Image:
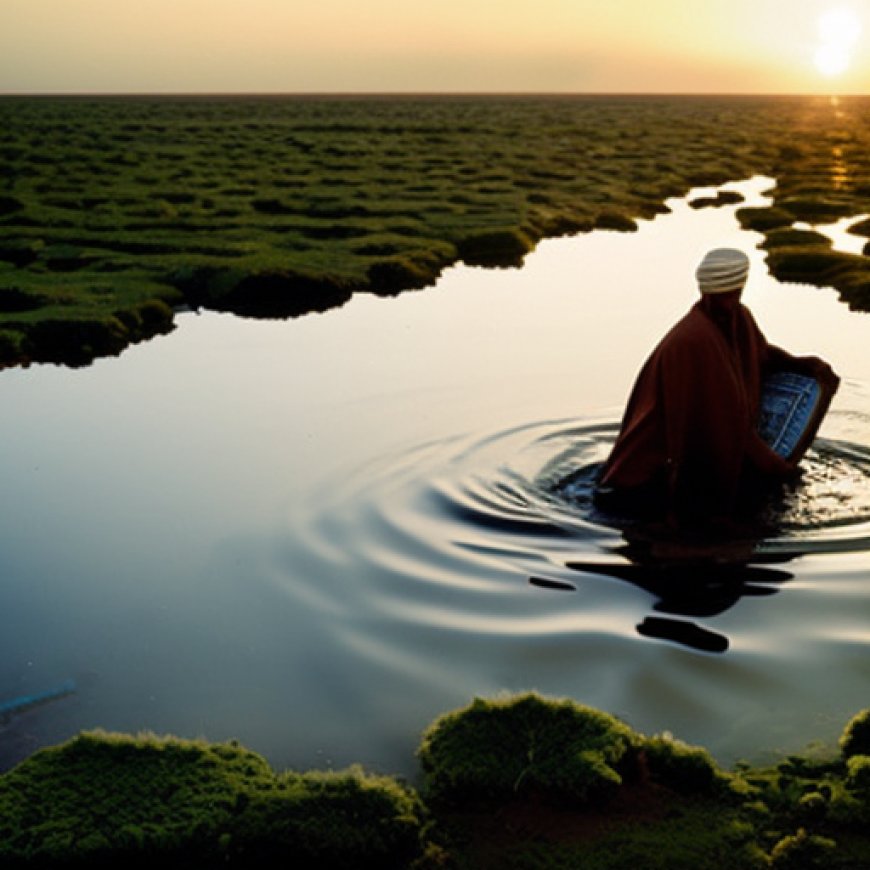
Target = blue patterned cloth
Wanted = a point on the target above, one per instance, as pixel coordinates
(788, 403)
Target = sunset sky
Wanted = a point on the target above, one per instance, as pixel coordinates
(683, 46)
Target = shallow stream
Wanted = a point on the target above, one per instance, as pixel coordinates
(316, 535)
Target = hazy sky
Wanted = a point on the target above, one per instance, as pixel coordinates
(725, 46)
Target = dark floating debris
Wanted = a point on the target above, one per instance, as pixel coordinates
(684, 633)
(544, 583)
(23, 703)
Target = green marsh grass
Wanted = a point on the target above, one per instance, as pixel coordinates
(518, 781)
(278, 206)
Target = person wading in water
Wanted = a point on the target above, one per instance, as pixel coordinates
(688, 449)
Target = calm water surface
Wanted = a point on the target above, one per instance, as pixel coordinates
(317, 535)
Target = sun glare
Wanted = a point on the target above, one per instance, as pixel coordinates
(839, 31)
(839, 27)
(831, 60)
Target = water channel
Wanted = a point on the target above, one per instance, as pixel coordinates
(316, 535)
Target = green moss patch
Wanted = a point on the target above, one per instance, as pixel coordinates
(104, 798)
(815, 209)
(788, 237)
(684, 769)
(723, 197)
(861, 228)
(813, 265)
(614, 220)
(764, 218)
(505, 247)
(673, 807)
(516, 782)
(499, 750)
(306, 200)
(855, 739)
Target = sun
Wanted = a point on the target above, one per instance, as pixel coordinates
(839, 31)
(832, 60)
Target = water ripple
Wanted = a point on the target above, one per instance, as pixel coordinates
(479, 563)
(476, 534)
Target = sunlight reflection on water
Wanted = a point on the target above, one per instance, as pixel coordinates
(317, 535)
(838, 233)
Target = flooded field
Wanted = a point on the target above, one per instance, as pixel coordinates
(316, 535)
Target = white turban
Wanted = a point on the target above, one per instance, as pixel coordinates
(722, 270)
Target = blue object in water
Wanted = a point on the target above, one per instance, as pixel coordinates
(789, 405)
(8, 709)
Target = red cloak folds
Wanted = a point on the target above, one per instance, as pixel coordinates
(689, 427)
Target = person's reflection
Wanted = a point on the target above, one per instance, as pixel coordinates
(688, 578)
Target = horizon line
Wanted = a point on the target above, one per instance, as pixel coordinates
(418, 94)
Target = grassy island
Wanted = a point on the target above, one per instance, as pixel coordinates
(114, 212)
(515, 782)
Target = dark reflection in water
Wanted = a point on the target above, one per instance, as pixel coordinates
(703, 576)
(696, 588)
(415, 571)
(688, 575)
(696, 585)
(524, 497)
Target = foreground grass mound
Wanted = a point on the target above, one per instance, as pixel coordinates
(515, 782)
(527, 781)
(501, 750)
(555, 751)
(106, 799)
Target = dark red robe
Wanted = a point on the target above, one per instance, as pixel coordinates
(689, 427)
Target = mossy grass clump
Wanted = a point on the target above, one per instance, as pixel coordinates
(501, 750)
(685, 769)
(388, 277)
(608, 219)
(279, 293)
(855, 739)
(73, 318)
(76, 341)
(812, 264)
(674, 809)
(764, 218)
(495, 247)
(104, 798)
(858, 776)
(789, 237)
(261, 290)
(723, 197)
(815, 209)
(861, 228)
(527, 781)
(803, 851)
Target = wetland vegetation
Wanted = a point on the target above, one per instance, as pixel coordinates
(114, 211)
(517, 782)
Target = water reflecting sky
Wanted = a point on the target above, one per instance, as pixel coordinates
(263, 530)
